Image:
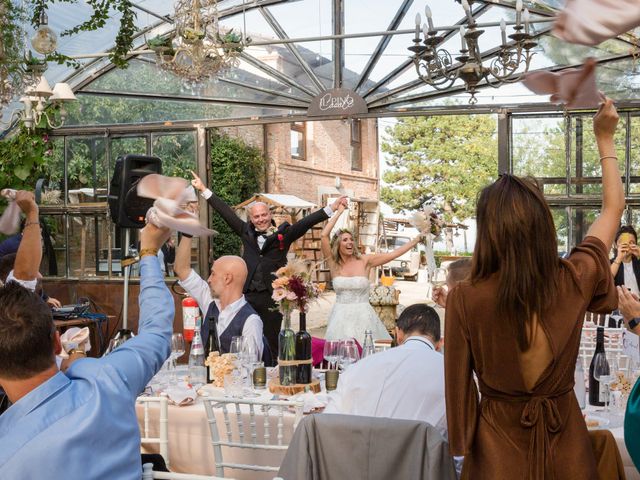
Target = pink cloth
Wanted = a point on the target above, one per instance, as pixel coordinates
(573, 87)
(317, 350)
(589, 22)
(10, 219)
(171, 194)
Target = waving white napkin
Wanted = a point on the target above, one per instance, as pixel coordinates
(573, 87)
(170, 194)
(589, 22)
(10, 219)
(75, 337)
(181, 394)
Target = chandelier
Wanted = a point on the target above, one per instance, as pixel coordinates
(435, 65)
(199, 49)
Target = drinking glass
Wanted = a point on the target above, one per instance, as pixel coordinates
(330, 352)
(439, 277)
(249, 358)
(236, 346)
(349, 355)
(177, 350)
(603, 373)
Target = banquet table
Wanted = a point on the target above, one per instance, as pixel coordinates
(190, 449)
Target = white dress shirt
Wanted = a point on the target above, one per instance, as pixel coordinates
(200, 291)
(405, 382)
(260, 239)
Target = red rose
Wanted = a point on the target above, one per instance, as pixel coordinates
(281, 240)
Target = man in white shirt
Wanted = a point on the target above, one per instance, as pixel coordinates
(405, 382)
(220, 300)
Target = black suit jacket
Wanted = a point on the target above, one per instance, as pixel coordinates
(273, 254)
(619, 278)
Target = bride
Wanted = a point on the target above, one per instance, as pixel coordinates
(352, 314)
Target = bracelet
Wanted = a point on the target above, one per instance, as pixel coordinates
(148, 251)
(77, 351)
(608, 156)
(34, 222)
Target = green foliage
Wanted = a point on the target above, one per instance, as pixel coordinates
(22, 158)
(103, 10)
(12, 17)
(237, 172)
(443, 160)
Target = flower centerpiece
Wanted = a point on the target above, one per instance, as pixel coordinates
(293, 289)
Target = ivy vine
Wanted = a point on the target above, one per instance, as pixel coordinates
(102, 12)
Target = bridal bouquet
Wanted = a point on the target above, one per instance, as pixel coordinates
(293, 287)
(427, 221)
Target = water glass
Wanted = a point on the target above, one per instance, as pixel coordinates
(236, 346)
(233, 384)
(439, 277)
(177, 350)
(330, 352)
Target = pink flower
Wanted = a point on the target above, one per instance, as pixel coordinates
(291, 296)
(279, 294)
(280, 282)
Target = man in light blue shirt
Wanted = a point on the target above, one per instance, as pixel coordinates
(82, 424)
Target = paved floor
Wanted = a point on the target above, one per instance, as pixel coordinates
(410, 293)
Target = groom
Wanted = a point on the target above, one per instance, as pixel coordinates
(265, 251)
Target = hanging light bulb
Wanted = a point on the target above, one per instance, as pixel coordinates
(44, 40)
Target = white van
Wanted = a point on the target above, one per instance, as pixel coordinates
(407, 264)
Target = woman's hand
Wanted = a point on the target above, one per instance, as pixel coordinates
(634, 250)
(606, 120)
(197, 182)
(439, 296)
(623, 251)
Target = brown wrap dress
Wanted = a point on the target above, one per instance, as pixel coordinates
(514, 431)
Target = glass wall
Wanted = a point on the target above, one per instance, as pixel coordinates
(81, 241)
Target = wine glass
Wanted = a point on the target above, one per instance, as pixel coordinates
(330, 353)
(439, 277)
(177, 350)
(603, 373)
(349, 355)
(249, 357)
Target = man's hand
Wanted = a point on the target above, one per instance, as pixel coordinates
(628, 304)
(153, 237)
(27, 203)
(340, 201)
(197, 183)
(439, 296)
(53, 302)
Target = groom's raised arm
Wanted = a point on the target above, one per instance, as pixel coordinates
(219, 205)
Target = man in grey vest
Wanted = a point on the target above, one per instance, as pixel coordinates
(220, 299)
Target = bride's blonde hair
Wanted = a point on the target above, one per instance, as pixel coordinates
(335, 245)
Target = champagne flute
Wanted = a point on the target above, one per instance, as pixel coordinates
(603, 374)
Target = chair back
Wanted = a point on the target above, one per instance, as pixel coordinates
(236, 426)
(162, 438)
(612, 345)
(149, 474)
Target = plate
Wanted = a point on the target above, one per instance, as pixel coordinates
(595, 422)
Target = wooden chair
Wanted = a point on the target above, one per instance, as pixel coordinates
(246, 432)
(163, 431)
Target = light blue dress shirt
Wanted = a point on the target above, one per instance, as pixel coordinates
(82, 424)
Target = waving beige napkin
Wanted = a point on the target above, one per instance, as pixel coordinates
(171, 194)
(75, 337)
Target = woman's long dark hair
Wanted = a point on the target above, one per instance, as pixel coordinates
(517, 240)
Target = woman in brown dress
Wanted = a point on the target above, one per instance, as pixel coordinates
(516, 323)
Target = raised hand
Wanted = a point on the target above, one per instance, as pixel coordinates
(153, 237)
(27, 202)
(197, 183)
(606, 120)
(439, 296)
(343, 200)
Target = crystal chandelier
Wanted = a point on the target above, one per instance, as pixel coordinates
(198, 49)
(435, 65)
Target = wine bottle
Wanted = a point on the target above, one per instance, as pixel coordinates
(303, 351)
(212, 346)
(597, 393)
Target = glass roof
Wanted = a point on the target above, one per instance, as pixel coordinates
(276, 78)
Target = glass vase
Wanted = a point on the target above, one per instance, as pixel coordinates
(287, 351)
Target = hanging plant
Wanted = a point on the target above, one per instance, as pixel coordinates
(103, 10)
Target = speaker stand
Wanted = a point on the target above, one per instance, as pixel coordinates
(125, 296)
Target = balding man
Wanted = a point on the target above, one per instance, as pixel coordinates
(265, 250)
(221, 300)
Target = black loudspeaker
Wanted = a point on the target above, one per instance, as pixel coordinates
(126, 207)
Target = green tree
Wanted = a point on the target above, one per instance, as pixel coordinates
(237, 173)
(443, 160)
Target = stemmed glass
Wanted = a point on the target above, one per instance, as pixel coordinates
(603, 373)
(330, 353)
(177, 350)
(348, 355)
(439, 277)
(249, 357)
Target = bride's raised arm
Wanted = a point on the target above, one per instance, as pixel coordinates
(325, 244)
(377, 259)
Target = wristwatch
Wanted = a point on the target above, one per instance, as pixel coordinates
(633, 323)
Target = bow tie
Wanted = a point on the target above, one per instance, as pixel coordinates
(262, 234)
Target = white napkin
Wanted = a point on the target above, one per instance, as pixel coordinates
(181, 394)
(170, 194)
(312, 401)
(75, 337)
(10, 219)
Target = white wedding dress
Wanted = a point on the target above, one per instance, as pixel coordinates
(352, 314)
